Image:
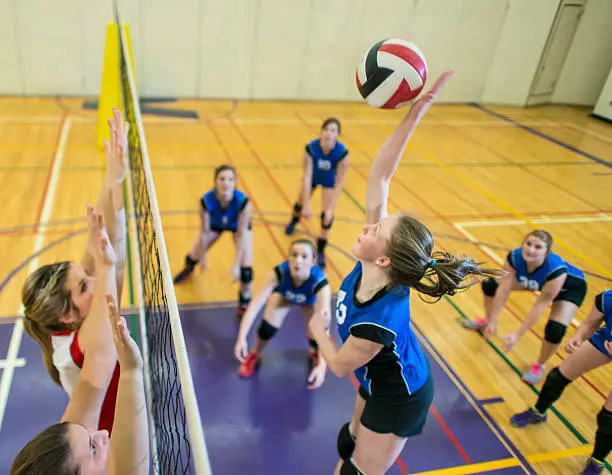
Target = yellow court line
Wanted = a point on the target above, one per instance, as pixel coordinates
(504, 205)
(510, 462)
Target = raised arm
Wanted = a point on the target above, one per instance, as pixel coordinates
(388, 157)
(110, 200)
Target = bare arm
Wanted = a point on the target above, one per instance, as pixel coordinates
(502, 294)
(388, 157)
(543, 301)
(307, 179)
(129, 445)
(322, 306)
(590, 324)
(256, 305)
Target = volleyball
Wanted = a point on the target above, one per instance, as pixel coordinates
(391, 73)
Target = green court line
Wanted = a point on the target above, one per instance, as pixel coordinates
(133, 318)
(562, 418)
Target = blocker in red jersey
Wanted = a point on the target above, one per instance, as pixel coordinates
(391, 73)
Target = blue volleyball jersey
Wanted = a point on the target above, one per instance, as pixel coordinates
(400, 368)
(603, 302)
(324, 166)
(305, 294)
(224, 218)
(553, 267)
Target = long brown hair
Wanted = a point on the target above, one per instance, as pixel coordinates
(45, 299)
(414, 263)
(48, 452)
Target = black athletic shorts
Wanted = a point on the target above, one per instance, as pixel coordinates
(574, 290)
(405, 419)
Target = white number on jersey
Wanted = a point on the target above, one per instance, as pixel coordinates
(530, 284)
(324, 165)
(340, 307)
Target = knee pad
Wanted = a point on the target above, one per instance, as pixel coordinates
(556, 380)
(554, 332)
(266, 331)
(604, 421)
(328, 225)
(246, 275)
(346, 442)
(349, 468)
(489, 286)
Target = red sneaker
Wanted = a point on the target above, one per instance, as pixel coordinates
(250, 365)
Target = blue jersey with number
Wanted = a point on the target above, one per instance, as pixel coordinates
(553, 267)
(324, 166)
(224, 218)
(305, 294)
(603, 303)
(400, 368)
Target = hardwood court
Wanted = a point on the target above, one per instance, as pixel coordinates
(481, 178)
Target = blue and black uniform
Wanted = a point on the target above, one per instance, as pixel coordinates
(305, 294)
(224, 219)
(396, 384)
(574, 289)
(324, 166)
(603, 303)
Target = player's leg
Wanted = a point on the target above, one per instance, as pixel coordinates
(327, 218)
(603, 440)
(346, 435)
(274, 315)
(586, 358)
(246, 272)
(202, 243)
(562, 312)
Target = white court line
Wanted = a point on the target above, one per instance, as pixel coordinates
(544, 220)
(487, 250)
(18, 363)
(17, 336)
(27, 119)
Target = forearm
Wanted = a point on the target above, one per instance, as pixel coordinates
(239, 247)
(534, 314)
(499, 301)
(327, 349)
(306, 187)
(129, 452)
(251, 314)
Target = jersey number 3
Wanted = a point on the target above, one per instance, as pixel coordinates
(340, 307)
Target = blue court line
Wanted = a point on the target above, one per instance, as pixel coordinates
(567, 146)
(459, 382)
(493, 400)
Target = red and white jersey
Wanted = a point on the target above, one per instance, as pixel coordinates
(68, 359)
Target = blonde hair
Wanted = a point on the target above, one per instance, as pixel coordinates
(412, 260)
(45, 299)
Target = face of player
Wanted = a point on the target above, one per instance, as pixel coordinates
(534, 250)
(81, 287)
(89, 450)
(329, 134)
(372, 244)
(225, 184)
(301, 260)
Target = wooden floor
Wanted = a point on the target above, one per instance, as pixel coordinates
(474, 176)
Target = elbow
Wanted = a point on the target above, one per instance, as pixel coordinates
(338, 370)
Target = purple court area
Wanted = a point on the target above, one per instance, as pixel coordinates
(270, 423)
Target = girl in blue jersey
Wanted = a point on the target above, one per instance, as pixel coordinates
(396, 254)
(533, 267)
(224, 208)
(295, 282)
(589, 348)
(326, 161)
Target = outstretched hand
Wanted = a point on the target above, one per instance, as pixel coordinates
(116, 149)
(422, 103)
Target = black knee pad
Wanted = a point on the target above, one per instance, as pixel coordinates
(266, 331)
(556, 380)
(554, 332)
(489, 286)
(348, 468)
(246, 275)
(604, 421)
(328, 225)
(346, 442)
